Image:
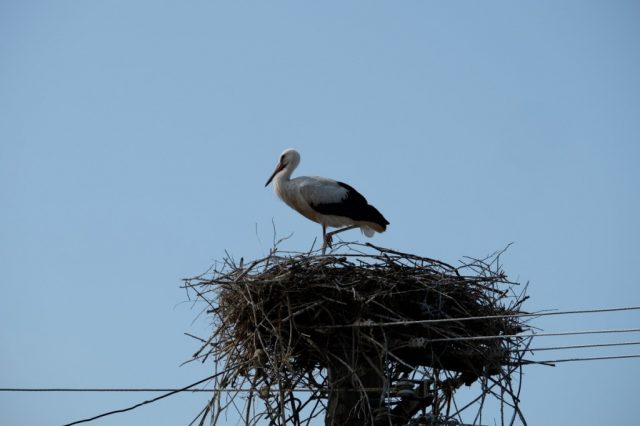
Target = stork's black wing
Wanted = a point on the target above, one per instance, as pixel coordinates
(353, 206)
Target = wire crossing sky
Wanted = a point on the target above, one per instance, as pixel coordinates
(136, 138)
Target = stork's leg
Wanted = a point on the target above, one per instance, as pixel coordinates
(330, 235)
(324, 238)
(327, 237)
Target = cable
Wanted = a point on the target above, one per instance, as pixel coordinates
(170, 390)
(551, 348)
(594, 358)
(106, 390)
(420, 341)
(140, 390)
(595, 345)
(435, 321)
(186, 389)
(133, 407)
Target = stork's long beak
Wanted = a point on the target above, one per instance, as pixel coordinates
(279, 167)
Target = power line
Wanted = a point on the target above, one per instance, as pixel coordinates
(593, 358)
(594, 345)
(108, 390)
(421, 341)
(175, 390)
(170, 391)
(187, 389)
(133, 407)
(521, 315)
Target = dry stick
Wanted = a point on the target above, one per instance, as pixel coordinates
(228, 401)
(281, 402)
(250, 302)
(502, 402)
(295, 411)
(209, 407)
(477, 398)
(515, 398)
(448, 393)
(313, 410)
(303, 310)
(273, 416)
(292, 399)
(455, 405)
(520, 373)
(483, 386)
(412, 256)
(287, 380)
(505, 390)
(396, 358)
(249, 399)
(204, 410)
(516, 395)
(232, 401)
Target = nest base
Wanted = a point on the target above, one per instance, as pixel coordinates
(370, 336)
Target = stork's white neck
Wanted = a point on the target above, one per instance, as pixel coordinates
(282, 183)
(285, 174)
(282, 178)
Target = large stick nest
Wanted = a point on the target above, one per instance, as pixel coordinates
(292, 322)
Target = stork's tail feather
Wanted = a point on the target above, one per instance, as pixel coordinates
(368, 232)
(372, 221)
(371, 214)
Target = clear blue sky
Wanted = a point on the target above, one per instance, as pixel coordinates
(136, 138)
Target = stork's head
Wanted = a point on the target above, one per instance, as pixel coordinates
(289, 160)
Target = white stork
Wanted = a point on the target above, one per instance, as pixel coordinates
(325, 201)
